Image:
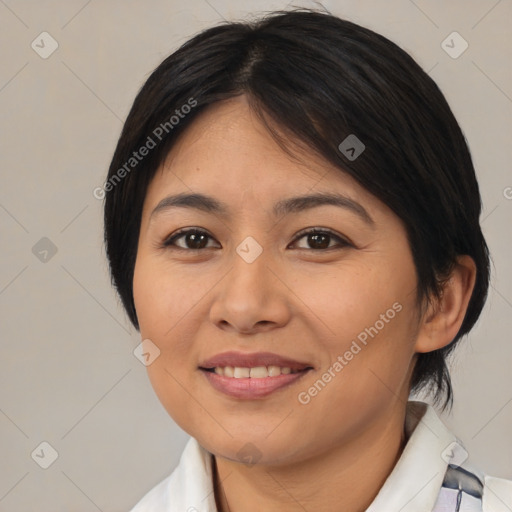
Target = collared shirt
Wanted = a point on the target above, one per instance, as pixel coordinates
(430, 476)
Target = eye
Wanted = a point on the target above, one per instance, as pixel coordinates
(320, 239)
(194, 239)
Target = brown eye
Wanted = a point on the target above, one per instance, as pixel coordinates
(320, 239)
(193, 239)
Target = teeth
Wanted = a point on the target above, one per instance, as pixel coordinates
(240, 373)
(257, 372)
(273, 371)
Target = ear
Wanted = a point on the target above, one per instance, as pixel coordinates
(442, 320)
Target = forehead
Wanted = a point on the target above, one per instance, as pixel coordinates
(227, 152)
(229, 134)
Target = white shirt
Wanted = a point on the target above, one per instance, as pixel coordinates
(432, 455)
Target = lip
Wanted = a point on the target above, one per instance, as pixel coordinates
(251, 360)
(252, 388)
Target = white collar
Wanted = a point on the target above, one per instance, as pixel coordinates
(415, 481)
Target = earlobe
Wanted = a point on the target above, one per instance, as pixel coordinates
(442, 319)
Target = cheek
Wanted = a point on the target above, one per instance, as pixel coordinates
(369, 363)
(160, 298)
(170, 309)
(369, 311)
(352, 298)
(161, 301)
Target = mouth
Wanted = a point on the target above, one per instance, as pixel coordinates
(252, 376)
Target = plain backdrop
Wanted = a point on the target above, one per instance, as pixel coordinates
(69, 377)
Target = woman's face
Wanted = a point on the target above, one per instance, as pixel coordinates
(341, 302)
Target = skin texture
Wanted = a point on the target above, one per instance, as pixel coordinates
(309, 304)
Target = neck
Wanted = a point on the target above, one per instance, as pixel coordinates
(346, 477)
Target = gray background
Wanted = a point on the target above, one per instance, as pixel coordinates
(69, 376)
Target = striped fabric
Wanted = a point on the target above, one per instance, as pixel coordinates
(461, 491)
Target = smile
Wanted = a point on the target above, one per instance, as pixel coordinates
(249, 376)
(251, 383)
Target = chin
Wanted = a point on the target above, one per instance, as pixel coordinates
(251, 450)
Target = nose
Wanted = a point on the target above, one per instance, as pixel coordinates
(251, 298)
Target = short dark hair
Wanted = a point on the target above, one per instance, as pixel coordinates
(320, 79)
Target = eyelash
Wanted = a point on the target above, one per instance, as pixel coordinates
(170, 242)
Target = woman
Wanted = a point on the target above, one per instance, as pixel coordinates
(292, 223)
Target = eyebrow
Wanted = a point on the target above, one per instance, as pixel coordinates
(284, 206)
